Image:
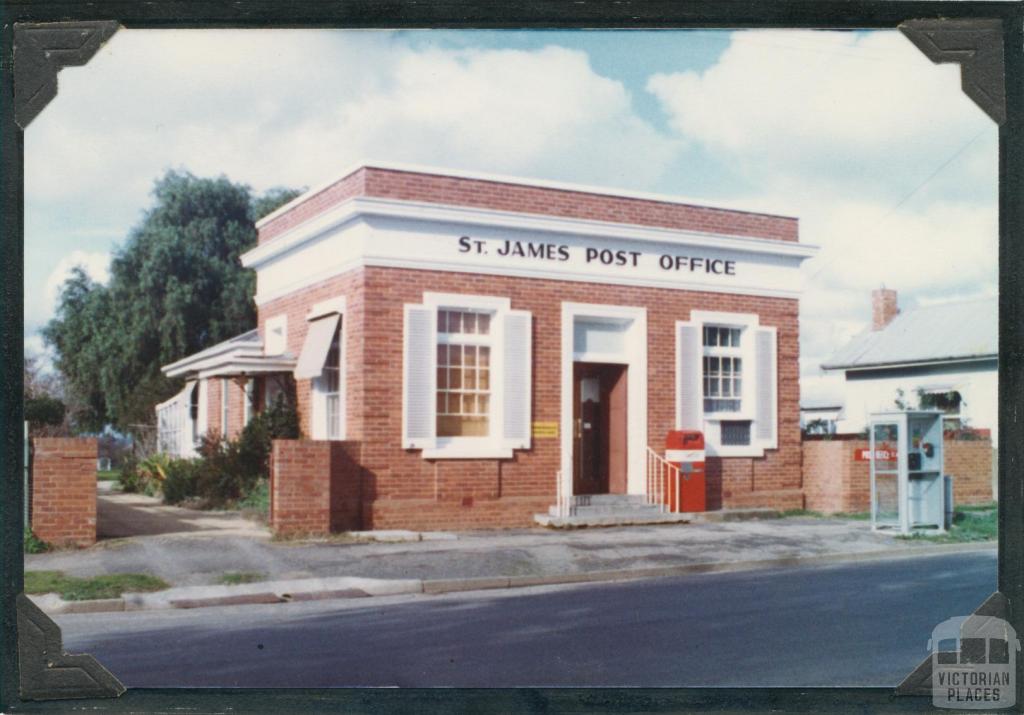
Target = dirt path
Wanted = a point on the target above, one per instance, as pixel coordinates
(120, 515)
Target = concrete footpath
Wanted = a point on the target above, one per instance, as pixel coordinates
(351, 566)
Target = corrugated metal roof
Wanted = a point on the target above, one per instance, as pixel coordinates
(936, 333)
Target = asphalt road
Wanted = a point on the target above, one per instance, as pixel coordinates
(856, 624)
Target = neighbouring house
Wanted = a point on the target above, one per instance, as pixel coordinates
(938, 357)
(819, 416)
(483, 345)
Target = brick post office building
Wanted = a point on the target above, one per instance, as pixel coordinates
(472, 346)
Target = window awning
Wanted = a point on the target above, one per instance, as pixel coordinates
(938, 388)
(316, 347)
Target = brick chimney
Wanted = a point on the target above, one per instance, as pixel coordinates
(884, 307)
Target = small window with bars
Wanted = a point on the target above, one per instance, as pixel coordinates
(463, 373)
(723, 369)
(735, 433)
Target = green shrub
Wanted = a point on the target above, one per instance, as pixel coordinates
(227, 472)
(33, 544)
(258, 499)
(222, 476)
(232, 470)
(279, 421)
(181, 480)
(131, 480)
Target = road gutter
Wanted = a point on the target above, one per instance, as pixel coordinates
(356, 587)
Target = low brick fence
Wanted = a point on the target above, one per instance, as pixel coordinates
(315, 487)
(64, 490)
(835, 482)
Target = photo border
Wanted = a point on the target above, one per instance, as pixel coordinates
(530, 14)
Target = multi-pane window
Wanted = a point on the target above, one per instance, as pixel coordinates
(463, 373)
(332, 387)
(723, 369)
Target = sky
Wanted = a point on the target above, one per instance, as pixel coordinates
(891, 170)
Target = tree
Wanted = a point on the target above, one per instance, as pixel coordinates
(44, 411)
(176, 287)
(46, 408)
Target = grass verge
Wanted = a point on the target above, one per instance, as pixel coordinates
(72, 588)
(786, 513)
(857, 515)
(232, 578)
(969, 524)
(108, 475)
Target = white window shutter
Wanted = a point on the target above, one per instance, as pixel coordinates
(689, 377)
(765, 409)
(419, 378)
(516, 379)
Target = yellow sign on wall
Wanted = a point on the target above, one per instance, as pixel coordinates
(545, 429)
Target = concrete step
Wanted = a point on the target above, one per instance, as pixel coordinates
(609, 499)
(634, 519)
(610, 509)
(601, 508)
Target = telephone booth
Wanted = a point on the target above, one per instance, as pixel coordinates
(907, 490)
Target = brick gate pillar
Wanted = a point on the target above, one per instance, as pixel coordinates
(300, 499)
(64, 490)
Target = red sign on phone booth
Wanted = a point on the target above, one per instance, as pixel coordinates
(883, 453)
(685, 449)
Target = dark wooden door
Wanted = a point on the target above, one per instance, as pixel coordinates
(599, 424)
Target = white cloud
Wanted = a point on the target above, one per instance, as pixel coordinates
(40, 305)
(846, 108)
(287, 109)
(293, 108)
(890, 168)
(848, 131)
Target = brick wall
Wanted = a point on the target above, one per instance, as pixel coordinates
(346, 486)
(835, 482)
(970, 463)
(64, 490)
(400, 488)
(315, 487)
(300, 487)
(504, 196)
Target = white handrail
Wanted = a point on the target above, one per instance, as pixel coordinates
(664, 483)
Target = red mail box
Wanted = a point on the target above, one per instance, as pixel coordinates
(685, 449)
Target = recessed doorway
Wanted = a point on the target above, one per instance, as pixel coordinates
(600, 449)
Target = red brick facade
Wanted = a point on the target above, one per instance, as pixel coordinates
(64, 490)
(835, 482)
(520, 198)
(375, 483)
(402, 489)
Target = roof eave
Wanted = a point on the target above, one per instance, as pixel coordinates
(910, 363)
